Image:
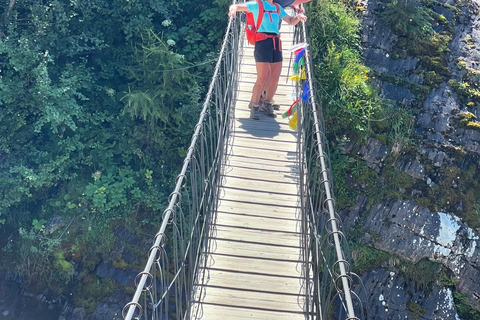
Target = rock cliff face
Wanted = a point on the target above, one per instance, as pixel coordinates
(430, 220)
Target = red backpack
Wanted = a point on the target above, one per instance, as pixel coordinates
(250, 26)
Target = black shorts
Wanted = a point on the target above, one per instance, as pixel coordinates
(266, 52)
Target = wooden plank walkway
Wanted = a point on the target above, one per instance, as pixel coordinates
(255, 262)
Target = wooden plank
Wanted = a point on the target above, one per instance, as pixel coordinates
(261, 186)
(219, 312)
(281, 239)
(266, 164)
(260, 153)
(271, 144)
(271, 268)
(259, 197)
(257, 223)
(281, 135)
(247, 77)
(261, 174)
(255, 209)
(248, 81)
(260, 128)
(254, 282)
(243, 101)
(252, 299)
(259, 251)
(255, 256)
(284, 133)
(286, 97)
(289, 168)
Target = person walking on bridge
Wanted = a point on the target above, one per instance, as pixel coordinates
(272, 87)
(268, 50)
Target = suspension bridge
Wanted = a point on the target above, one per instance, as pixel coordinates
(251, 231)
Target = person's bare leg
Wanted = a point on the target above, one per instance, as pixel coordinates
(263, 76)
(275, 71)
(265, 107)
(263, 72)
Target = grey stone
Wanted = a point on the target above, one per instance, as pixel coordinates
(374, 153)
(406, 229)
(412, 167)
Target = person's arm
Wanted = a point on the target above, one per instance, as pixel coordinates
(236, 7)
(294, 20)
(298, 2)
(296, 5)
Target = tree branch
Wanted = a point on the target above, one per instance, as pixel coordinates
(10, 7)
(5, 17)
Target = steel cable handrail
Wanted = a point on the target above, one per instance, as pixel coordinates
(202, 164)
(319, 206)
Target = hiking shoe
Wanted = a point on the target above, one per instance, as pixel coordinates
(267, 108)
(254, 114)
(275, 106)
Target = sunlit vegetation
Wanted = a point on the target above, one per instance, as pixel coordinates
(98, 100)
(352, 110)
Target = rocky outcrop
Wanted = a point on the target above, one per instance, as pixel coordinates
(17, 303)
(407, 228)
(415, 233)
(392, 297)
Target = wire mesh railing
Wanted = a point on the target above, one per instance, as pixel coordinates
(164, 287)
(330, 289)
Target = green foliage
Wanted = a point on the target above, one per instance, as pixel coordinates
(420, 273)
(163, 94)
(366, 258)
(472, 200)
(163, 81)
(467, 120)
(415, 309)
(402, 122)
(461, 65)
(467, 93)
(192, 30)
(349, 98)
(464, 309)
(39, 262)
(413, 23)
(407, 19)
(344, 196)
(90, 289)
(64, 265)
(39, 225)
(466, 191)
(110, 190)
(64, 66)
(447, 281)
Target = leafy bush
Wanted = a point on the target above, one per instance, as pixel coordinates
(365, 258)
(69, 145)
(347, 89)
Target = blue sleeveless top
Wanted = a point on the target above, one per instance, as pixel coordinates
(268, 25)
